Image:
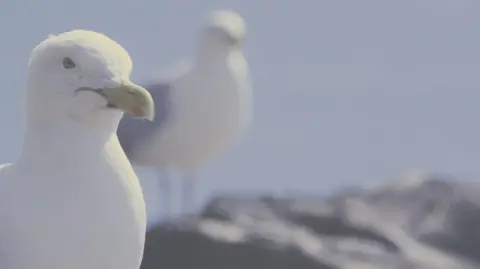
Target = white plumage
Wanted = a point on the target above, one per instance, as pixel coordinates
(72, 199)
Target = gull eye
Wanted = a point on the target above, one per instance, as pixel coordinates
(68, 63)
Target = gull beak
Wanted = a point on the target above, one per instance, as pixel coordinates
(131, 99)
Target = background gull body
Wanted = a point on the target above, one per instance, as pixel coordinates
(200, 111)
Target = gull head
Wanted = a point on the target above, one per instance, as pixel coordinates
(85, 76)
(225, 27)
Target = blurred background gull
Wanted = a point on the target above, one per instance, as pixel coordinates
(200, 112)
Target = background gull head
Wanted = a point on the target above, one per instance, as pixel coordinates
(226, 27)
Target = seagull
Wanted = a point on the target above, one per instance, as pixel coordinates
(200, 111)
(72, 200)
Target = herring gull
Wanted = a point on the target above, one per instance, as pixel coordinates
(72, 199)
(200, 111)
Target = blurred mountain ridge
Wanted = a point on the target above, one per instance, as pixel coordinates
(417, 221)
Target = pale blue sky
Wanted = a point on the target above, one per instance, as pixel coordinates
(346, 92)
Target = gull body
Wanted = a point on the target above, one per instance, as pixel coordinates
(72, 199)
(201, 111)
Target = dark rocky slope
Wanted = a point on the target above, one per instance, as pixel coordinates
(417, 223)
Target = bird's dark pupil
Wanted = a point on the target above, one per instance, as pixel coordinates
(68, 63)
